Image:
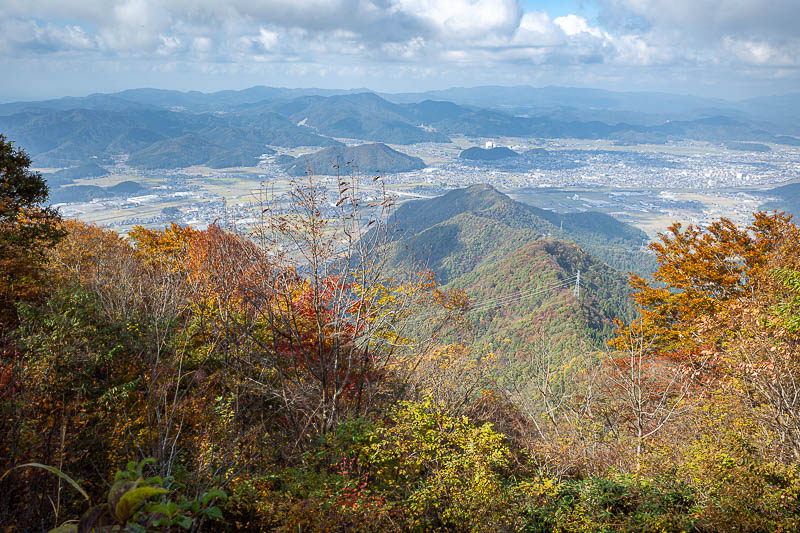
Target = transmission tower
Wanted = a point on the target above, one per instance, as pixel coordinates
(577, 290)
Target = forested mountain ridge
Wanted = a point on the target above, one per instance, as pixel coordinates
(607, 238)
(64, 137)
(499, 250)
(360, 116)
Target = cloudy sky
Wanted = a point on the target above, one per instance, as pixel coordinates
(726, 48)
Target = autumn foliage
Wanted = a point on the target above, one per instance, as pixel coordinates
(288, 374)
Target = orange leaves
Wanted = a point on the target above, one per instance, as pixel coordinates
(702, 273)
(87, 249)
(168, 247)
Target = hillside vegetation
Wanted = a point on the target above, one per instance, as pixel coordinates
(510, 262)
(187, 380)
(608, 239)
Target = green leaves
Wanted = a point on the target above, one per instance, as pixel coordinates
(126, 508)
(131, 500)
(55, 471)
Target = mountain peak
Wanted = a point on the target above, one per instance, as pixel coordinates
(482, 187)
(373, 158)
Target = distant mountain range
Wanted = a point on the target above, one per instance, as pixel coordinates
(357, 116)
(637, 108)
(494, 248)
(362, 159)
(67, 137)
(231, 128)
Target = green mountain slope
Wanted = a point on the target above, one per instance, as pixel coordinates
(528, 291)
(605, 237)
(516, 266)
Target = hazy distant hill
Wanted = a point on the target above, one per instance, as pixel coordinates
(611, 107)
(195, 101)
(191, 150)
(479, 240)
(67, 175)
(782, 110)
(525, 95)
(492, 154)
(783, 198)
(60, 138)
(94, 102)
(747, 147)
(431, 111)
(359, 116)
(87, 193)
(366, 159)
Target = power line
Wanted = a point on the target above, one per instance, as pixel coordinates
(505, 300)
(502, 301)
(544, 288)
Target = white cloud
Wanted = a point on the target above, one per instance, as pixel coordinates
(536, 29)
(267, 39)
(432, 36)
(704, 20)
(574, 25)
(28, 36)
(170, 44)
(763, 53)
(464, 19)
(202, 45)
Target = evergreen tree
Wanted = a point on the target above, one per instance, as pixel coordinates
(27, 230)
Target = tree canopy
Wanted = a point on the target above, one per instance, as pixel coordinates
(27, 228)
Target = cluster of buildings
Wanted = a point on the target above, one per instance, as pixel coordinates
(199, 200)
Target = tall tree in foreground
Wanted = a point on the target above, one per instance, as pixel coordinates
(331, 321)
(703, 273)
(723, 309)
(27, 230)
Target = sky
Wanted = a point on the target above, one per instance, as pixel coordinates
(723, 48)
